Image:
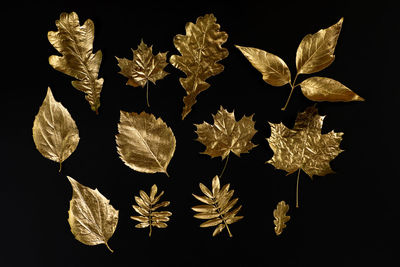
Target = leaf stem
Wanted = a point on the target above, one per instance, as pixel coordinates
(292, 85)
(227, 228)
(147, 93)
(226, 163)
(109, 247)
(297, 188)
(59, 170)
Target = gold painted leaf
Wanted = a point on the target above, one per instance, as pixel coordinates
(273, 69)
(304, 147)
(144, 66)
(75, 43)
(218, 209)
(326, 89)
(226, 135)
(91, 217)
(316, 51)
(200, 51)
(54, 131)
(280, 217)
(149, 217)
(144, 143)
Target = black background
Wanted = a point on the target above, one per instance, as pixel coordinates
(346, 218)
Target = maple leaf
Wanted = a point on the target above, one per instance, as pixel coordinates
(144, 67)
(200, 51)
(304, 147)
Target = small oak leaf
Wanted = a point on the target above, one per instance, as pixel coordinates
(226, 134)
(280, 217)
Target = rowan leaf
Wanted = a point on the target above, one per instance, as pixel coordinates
(144, 143)
(200, 51)
(54, 131)
(149, 216)
(273, 69)
(316, 51)
(75, 43)
(92, 219)
(326, 89)
(280, 217)
(214, 210)
(226, 134)
(304, 147)
(144, 67)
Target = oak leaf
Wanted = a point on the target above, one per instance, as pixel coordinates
(280, 217)
(200, 51)
(54, 131)
(217, 207)
(75, 43)
(304, 147)
(144, 67)
(226, 134)
(92, 219)
(147, 206)
(144, 143)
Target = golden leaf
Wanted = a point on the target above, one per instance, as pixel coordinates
(200, 51)
(274, 70)
(144, 67)
(54, 131)
(326, 89)
(147, 206)
(304, 147)
(315, 51)
(144, 143)
(280, 217)
(75, 43)
(92, 219)
(218, 207)
(226, 135)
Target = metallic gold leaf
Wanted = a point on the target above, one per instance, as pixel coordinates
(217, 210)
(304, 147)
(144, 66)
(75, 43)
(274, 70)
(92, 219)
(280, 217)
(149, 217)
(54, 131)
(226, 135)
(200, 51)
(144, 143)
(326, 89)
(315, 51)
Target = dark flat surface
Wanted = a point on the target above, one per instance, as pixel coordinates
(347, 218)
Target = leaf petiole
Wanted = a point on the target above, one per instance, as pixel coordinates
(109, 247)
(292, 85)
(226, 163)
(297, 188)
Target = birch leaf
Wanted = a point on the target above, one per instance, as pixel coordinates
(149, 217)
(144, 66)
(273, 69)
(144, 143)
(316, 51)
(92, 219)
(216, 211)
(326, 89)
(75, 43)
(54, 131)
(200, 51)
(226, 134)
(280, 217)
